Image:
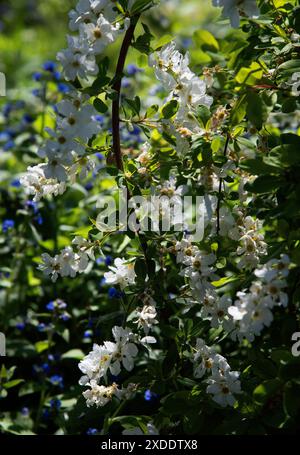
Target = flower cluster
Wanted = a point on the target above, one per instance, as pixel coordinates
(223, 383)
(172, 70)
(64, 151)
(97, 23)
(66, 263)
(252, 311)
(108, 357)
(197, 268)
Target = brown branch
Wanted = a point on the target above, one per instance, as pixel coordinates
(220, 186)
(117, 88)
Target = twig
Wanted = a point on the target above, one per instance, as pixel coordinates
(117, 88)
(220, 186)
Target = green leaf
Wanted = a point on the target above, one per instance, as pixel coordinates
(206, 39)
(157, 44)
(140, 269)
(170, 109)
(140, 5)
(264, 184)
(73, 354)
(41, 346)
(203, 114)
(100, 106)
(151, 111)
(134, 105)
(13, 383)
(265, 390)
(238, 111)
(250, 74)
(257, 111)
(291, 399)
(288, 68)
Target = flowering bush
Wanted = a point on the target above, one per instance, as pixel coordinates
(151, 249)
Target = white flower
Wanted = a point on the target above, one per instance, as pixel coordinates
(100, 34)
(77, 61)
(76, 122)
(145, 157)
(95, 364)
(99, 395)
(121, 351)
(35, 182)
(216, 309)
(234, 8)
(203, 359)
(55, 168)
(121, 273)
(185, 250)
(199, 266)
(83, 13)
(50, 266)
(223, 386)
(169, 63)
(146, 316)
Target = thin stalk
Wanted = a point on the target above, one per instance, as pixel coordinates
(220, 186)
(117, 88)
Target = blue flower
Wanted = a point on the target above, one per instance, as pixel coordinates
(149, 396)
(135, 131)
(5, 136)
(46, 367)
(28, 118)
(49, 66)
(20, 325)
(88, 334)
(102, 282)
(56, 75)
(100, 156)
(9, 145)
(7, 108)
(64, 317)
(63, 88)
(55, 404)
(15, 183)
(51, 306)
(125, 82)
(92, 431)
(113, 293)
(25, 411)
(39, 219)
(37, 76)
(7, 224)
(132, 69)
(108, 260)
(89, 186)
(36, 92)
(56, 379)
(186, 42)
(41, 327)
(99, 118)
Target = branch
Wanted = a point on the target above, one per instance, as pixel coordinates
(117, 88)
(220, 186)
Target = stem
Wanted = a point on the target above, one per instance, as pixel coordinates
(117, 88)
(220, 186)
